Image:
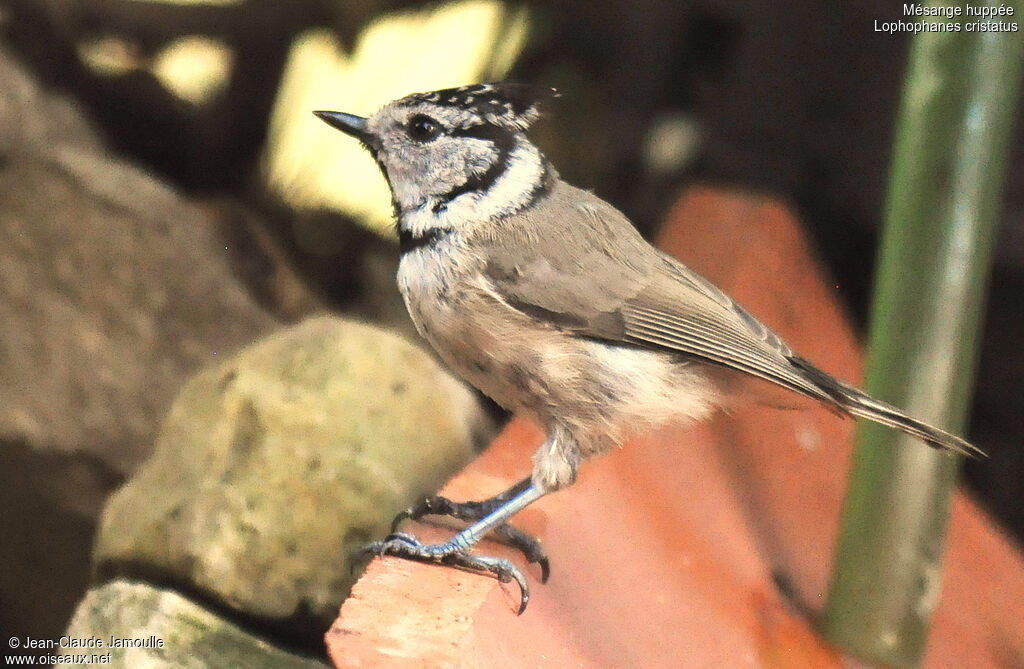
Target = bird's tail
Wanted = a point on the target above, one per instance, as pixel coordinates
(858, 403)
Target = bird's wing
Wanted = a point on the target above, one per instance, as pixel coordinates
(585, 269)
(681, 311)
(579, 265)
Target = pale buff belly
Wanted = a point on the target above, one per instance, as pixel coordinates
(600, 393)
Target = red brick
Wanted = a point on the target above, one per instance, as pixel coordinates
(663, 553)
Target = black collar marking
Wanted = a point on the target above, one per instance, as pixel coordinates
(544, 186)
(409, 242)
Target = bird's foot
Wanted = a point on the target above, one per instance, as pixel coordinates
(399, 544)
(489, 516)
(435, 505)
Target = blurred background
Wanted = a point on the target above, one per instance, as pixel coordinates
(194, 117)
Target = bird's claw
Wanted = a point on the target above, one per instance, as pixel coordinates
(436, 505)
(408, 547)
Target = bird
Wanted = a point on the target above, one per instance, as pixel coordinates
(547, 299)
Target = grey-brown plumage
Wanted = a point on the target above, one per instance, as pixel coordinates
(547, 299)
(600, 280)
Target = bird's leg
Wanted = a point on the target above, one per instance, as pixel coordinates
(491, 516)
(435, 505)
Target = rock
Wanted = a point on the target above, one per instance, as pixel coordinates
(116, 287)
(275, 465)
(171, 630)
(34, 121)
(113, 290)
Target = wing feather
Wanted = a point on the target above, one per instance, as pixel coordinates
(600, 279)
(577, 264)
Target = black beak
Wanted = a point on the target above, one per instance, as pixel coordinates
(350, 124)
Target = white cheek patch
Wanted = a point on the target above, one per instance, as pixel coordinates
(510, 193)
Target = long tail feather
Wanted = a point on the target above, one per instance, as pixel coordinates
(860, 404)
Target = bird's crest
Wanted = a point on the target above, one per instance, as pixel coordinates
(510, 105)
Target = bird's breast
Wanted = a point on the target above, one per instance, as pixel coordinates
(478, 336)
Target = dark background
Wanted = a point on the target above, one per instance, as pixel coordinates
(796, 99)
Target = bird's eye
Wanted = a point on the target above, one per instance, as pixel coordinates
(422, 128)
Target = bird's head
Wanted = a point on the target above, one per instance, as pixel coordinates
(454, 148)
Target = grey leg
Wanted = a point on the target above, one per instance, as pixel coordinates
(456, 551)
(435, 505)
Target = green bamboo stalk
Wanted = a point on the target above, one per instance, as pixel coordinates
(948, 169)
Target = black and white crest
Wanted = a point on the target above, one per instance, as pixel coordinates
(509, 105)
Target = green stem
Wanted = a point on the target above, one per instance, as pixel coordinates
(944, 193)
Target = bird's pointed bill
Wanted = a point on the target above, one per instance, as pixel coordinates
(349, 124)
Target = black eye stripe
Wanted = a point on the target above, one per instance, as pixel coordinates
(503, 138)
